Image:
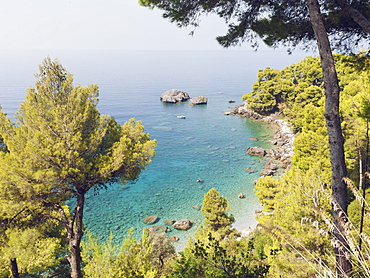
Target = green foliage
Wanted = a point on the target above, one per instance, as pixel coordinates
(284, 22)
(31, 235)
(297, 224)
(216, 252)
(214, 209)
(35, 251)
(144, 258)
(211, 257)
(59, 147)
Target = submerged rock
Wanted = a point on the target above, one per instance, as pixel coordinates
(158, 229)
(196, 207)
(169, 222)
(150, 219)
(250, 170)
(174, 96)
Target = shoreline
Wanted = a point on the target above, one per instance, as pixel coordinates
(283, 136)
(281, 154)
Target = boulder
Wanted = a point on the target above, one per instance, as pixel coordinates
(173, 238)
(150, 219)
(271, 165)
(266, 172)
(183, 224)
(158, 229)
(174, 96)
(272, 142)
(256, 151)
(199, 100)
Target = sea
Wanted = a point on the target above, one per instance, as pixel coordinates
(206, 145)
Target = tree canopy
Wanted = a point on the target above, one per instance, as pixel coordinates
(276, 22)
(60, 146)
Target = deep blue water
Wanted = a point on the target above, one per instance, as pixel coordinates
(207, 145)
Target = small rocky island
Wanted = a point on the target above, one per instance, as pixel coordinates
(174, 96)
(199, 100)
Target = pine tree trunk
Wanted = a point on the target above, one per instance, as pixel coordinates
(336, 140)
(75, 236)
(14, 267)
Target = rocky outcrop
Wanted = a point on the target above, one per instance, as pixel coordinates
(174, 96)
(283, 140)
(183, 224)
(199, 100)
(150, 219)
(267, 172)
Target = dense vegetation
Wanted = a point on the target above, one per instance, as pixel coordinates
(294, 236)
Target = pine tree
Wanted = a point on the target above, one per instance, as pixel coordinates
(60, 147)
(214, 209)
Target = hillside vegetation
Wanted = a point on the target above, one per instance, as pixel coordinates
(294, 235)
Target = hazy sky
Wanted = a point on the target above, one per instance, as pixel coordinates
(97, 24)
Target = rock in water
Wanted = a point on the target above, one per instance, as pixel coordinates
(196, 207)
(150, 219)
(183, 224)
(169, 222)
(257, 151)
(158, 229)
(267, 172)
(174, 96)
(173, 238)
(199, 100)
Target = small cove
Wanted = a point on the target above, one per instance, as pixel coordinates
(207, 145)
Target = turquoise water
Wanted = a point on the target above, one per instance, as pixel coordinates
(207, 145)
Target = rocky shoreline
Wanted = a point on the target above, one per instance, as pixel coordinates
(283, 140)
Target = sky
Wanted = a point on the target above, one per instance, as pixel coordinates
(98, 24)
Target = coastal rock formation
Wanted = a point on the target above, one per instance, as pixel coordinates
(271, 165)
(150, 219)
(256, 151)
(283, 138)
(183, 224)
(158, 229)
(267, 172)
(199, 100)
(174, 96)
